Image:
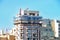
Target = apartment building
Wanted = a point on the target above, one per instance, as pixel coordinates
(27, 25)
(7, 37)
(56, 28)
(46, 30)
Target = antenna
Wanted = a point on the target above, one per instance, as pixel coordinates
(20, 11)
(2, 31)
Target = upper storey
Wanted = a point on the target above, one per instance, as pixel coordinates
(31, 13)
(28, 13)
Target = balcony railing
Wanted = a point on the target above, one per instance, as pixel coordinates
(28, 18)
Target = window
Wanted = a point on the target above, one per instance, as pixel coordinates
(32, 14)
(37, 14)
(40, 24)
(59, 24)
(29, 39)
(35, 30)
(24, 18)
(59, 31)
(29, 18)
(59, 28)
(29, 27)
(21, 35)
(29, 35)
(46, 29)
(29, 31)
(50, 29)
(14, 30)
(29, 22)
(33, 38)
(34, 35)
(21, 30)
(25, 13)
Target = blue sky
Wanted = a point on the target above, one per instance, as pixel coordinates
(9, 8)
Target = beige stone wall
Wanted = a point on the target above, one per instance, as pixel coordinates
(11, 37)
(7, 37)
(53, 25)
(3, 38)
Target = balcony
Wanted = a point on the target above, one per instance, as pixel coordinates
(27, 18)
